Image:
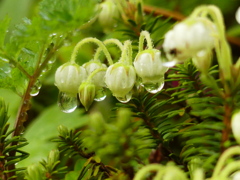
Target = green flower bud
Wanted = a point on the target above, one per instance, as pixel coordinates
(34, 172)
(63, 131)
(149, 66)
(120, 79)
(235, 124)
(87, 94)
(53, 157)
(69, 76)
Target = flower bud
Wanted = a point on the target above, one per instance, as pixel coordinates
(235, 124)
(35, 171)
(87, 94)
(108, 14)
(53, 157)
(68, 77)
(120, 79)
(149, 66)
(63, 131)
(98, 78)
(189, 37)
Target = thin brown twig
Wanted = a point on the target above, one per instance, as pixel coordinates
(25, 104)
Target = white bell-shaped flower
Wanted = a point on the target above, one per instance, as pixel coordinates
(120, 79)
(187, 38)
(108, 14)
(238, 15)
(98, 78)
(68, 77)
(235, 124)
(149, 66)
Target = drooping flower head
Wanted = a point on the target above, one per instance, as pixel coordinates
(238, 15)
(69, 76)
(188, 38)
(120, 79)
(149, 66)
(235, 124)
(108, 14)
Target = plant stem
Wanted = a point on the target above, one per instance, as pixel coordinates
(227, 122)
(88, 40)
(126, 56)
(106, 42)
(25, 103)
(145, 35)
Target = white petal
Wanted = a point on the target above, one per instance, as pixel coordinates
(238, 15)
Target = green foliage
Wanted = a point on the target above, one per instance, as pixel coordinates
(118, 142)
(187, 122)
(70, 145)
(9, 146)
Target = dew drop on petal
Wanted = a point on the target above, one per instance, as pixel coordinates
(100, 95)
(125, 98)
(154, 87)
(67, 102)
(36, 88)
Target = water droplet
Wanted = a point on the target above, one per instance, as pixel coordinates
(100, 95)
(51, 61)
(67, 102)
(125, 98)
(154, 87)
(36, 88)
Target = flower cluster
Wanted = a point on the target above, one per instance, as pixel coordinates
(91, 79)
(192, 38)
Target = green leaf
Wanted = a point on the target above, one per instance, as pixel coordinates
(44, 128)
(72, 175)
(3, 30)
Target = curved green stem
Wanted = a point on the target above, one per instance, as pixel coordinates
(108, 41)
(151, 167)
(126, 56)
(222, 48)
(87, 40)
(222, 160)
(145, 35)
(229, 169)
(95, 72)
